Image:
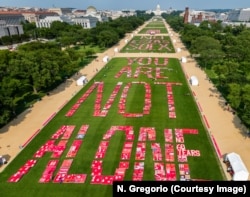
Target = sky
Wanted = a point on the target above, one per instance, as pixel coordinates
(130, 4)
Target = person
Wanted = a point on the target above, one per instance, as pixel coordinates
(60, 180)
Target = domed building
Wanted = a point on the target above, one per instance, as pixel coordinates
(91, 10)
(157, 11)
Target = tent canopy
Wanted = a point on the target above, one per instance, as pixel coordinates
(81, 81)
(2, 160)
(184, 60)
(105, 59)
(194, 81)
(240, 171)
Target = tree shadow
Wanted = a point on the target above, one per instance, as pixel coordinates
(62, 87)
(21, 117)
(243, 130)
(15, 121)
(7, 157)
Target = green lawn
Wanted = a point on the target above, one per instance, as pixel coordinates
(162, 30)
(83, 49)
(155, 25)
(148, 44)
(206, 166)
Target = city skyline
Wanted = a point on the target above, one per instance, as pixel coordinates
(129, 4)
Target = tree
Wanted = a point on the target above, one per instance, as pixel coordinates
(222, 72)
(6, 40)
(242, 46)
(209, 50)
(66, 41)
(57, 27)
(246, 96)
(28, 27)
(89, 52)
(234, 97)
(190, 32)
(16, 39)
(107, 38)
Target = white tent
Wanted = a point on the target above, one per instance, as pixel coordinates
(126, 40)
(116, 50)
(81, 81)
(240, 171)
(178, 49)
(194, 81)
(2, 160)
(184, 60)
(105, 59)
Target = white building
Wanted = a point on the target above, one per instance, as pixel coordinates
(10, 30)
(221, 16)
(239, 15)
(61, 11)
(86, 22)
(157, 11)
(244, 15)
(47, 21)
(87, 19)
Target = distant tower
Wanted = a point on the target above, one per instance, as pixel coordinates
(186, 15)
(200, 17)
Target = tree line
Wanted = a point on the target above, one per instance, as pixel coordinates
(35, 68)
(224, 53)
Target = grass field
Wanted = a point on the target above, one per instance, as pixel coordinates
(155, 44)
(132, 93)
(161, 30)
(156, 25)
(133, 74)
